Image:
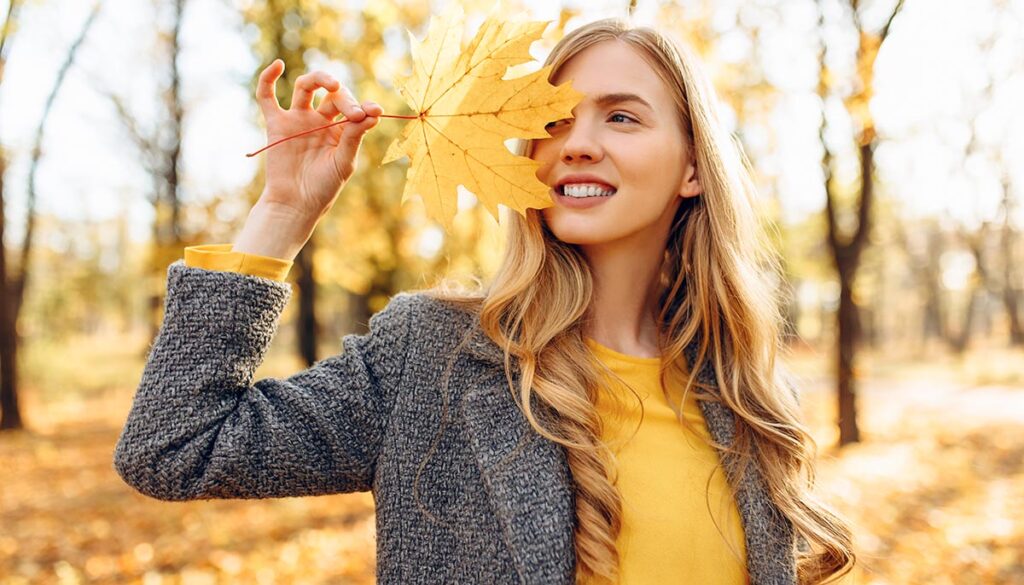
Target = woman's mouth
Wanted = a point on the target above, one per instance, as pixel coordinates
(582, 195)
(584, 190)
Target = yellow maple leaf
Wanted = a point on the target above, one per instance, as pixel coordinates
(466, 112)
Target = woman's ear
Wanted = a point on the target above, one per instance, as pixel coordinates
(691, 183)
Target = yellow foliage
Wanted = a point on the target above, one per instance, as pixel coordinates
(466, 111)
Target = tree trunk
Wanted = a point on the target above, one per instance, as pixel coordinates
(932, 325)
(10, 412)
(1007, 241)
(307, 329)
(933, 284)
(979, 283)
(959, 342)
(1011, 302)
(846, 256)
(167, 229)
(12, 285)
(847, 248)
(848, 336)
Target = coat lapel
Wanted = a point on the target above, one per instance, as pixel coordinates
(531, 486)
(528, 480)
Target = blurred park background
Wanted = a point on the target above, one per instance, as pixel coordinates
(887, 137)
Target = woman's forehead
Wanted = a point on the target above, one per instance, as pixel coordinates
(612, 72)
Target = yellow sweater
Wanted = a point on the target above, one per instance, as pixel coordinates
(671, 531)
(679, 521)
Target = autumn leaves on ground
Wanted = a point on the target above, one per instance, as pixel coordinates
(932, 490)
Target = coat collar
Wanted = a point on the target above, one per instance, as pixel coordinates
(531, 486)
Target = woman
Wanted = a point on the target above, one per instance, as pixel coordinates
(606, 409)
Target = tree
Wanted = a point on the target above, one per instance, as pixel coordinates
(848, 229)
(10, 413)
(160, 150)
(12, 285)
(998, 283)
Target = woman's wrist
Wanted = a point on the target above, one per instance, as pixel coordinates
(274, 230)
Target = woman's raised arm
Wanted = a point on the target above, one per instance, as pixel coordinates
(198, 427)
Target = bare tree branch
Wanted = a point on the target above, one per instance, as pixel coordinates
(12, 13)
(30, 221)
(888, 23)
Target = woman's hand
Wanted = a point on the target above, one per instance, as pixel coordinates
(305, 174)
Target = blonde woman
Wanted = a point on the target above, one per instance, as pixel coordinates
(607, 409)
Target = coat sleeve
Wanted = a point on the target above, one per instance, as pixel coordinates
(199, 428)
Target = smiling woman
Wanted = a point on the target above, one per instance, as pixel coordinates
(606, 409)
(653, 250)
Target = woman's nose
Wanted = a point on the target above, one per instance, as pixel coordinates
(580, 144)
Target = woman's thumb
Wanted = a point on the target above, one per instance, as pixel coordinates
(352, 132)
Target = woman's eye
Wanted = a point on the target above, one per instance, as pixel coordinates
(624, 116)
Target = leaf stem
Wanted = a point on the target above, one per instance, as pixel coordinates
(310, 131)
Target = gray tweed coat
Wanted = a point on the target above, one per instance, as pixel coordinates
(482, 510)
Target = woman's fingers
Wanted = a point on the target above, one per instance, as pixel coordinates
(266, 95)
(346, 153)
(339, 98)
(352, 134)
(307, 84)
(341, 102)
(372, 109)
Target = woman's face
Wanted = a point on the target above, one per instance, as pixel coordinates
(625, 137)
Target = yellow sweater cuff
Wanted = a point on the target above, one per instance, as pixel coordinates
(222, 257)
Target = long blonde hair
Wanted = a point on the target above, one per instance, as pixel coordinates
(716, 293)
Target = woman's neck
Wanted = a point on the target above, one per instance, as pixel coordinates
(621, 315)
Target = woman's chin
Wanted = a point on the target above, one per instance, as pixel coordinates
(579, 236)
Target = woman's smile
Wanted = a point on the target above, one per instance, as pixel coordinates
(579, 201)
(582, 191)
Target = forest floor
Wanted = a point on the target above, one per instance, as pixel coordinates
(935, 490)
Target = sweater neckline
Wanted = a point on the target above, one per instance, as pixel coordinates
(608, 352)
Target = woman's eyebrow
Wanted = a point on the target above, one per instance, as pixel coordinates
(608, 99)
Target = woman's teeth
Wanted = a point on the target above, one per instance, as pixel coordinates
(585, 190)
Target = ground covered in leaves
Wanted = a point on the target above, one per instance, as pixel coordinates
(935, 492)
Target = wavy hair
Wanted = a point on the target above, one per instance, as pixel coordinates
(716, 286)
